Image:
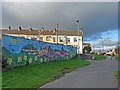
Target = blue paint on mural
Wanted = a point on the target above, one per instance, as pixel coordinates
(20, 43)
(21, 51)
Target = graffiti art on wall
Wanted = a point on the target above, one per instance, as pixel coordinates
(18, 51)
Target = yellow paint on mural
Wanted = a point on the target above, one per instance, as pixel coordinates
(9, 61)
(71, 56)
(19, 59)
(41, 60)
(36, 58)
(25, 57)
(45, 59)
(30, 60)
(13, 41)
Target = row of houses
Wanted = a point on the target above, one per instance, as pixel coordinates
(65, 37)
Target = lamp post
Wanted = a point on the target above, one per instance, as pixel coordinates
(78, 39)
(103, 44)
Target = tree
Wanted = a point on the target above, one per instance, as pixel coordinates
(87, 48)
(117, 50)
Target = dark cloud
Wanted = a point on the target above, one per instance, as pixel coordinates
(95, 17)
(106, 43)
(0, 15)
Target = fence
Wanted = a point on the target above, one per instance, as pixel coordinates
(17, 51)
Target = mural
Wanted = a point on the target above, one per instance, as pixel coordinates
(18, 51)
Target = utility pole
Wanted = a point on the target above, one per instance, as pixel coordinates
(102, 39)
(93, 48)
(57, 32)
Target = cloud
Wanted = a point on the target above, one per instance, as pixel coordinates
(94, 17)
(105, 48)
(97, 19)
(61, 0)
(106, 43)
(0, 15)
(108, 36)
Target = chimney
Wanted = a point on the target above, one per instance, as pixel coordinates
(42, 28)
(56, 26)
(9, 28)
(54, 30)
(30, 29)
(50, 30)
(19, 28)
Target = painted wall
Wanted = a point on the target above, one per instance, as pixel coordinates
(18, 51)
(51, 40)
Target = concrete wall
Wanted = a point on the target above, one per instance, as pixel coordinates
(18, 51)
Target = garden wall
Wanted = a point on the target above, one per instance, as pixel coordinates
(18, 51)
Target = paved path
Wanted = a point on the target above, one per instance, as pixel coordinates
(100, 74)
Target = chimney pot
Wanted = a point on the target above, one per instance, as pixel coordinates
(30, 29)
(19, 28)
(9, 28)
(42, 28)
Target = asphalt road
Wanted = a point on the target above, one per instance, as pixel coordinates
(100, 74)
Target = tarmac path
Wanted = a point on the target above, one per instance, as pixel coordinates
(100, 74)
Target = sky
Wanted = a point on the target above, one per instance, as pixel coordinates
(99, 20)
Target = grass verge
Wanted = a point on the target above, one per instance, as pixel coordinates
(117, 57)
(34, 76)
(118, 78)
(97, 57)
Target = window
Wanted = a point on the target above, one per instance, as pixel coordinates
(68, 39)
(47, 38)
(54, 39)
(60, 39)
(41, 38)
(75, 39)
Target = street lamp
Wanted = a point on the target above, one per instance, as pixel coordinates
(78, 39)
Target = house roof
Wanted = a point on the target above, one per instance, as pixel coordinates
(69, 32)
(26, 32)
(42, 32)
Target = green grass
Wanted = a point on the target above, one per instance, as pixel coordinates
(118, 78)
(0, 80)
(117, 57)
(34, 76)
(97, 57)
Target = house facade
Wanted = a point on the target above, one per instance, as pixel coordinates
(65, 37)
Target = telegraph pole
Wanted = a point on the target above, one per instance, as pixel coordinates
(57, 32)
